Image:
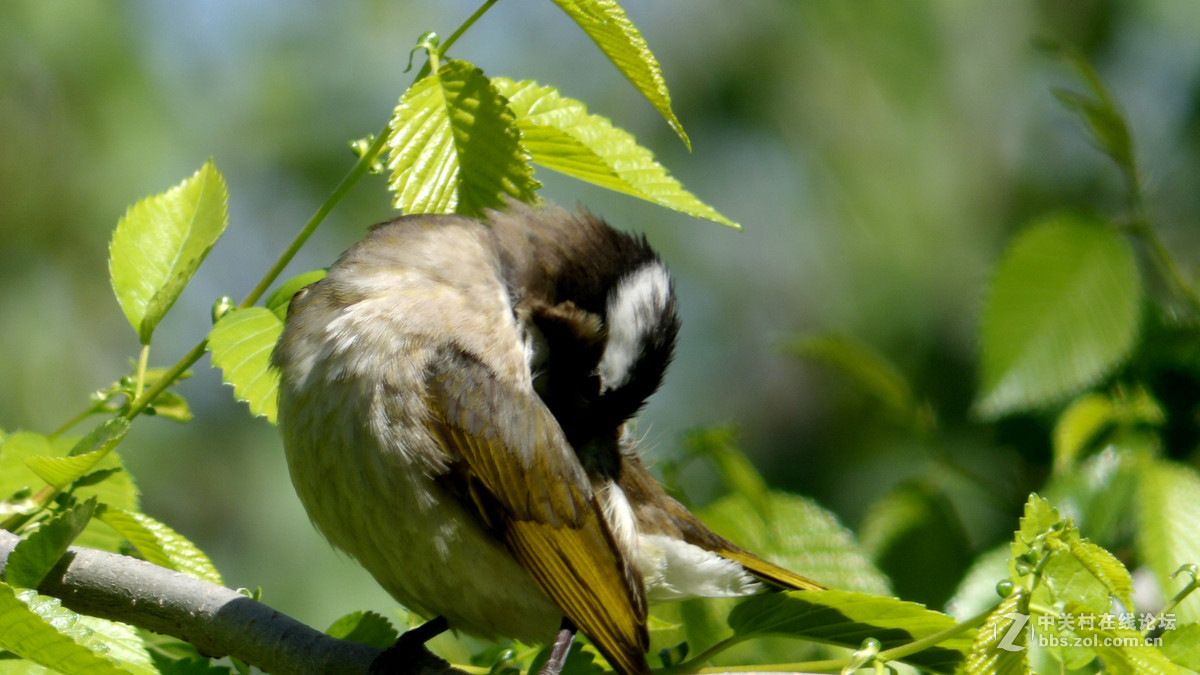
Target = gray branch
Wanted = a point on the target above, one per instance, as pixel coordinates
(216, 620)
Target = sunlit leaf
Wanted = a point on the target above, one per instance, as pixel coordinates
(454, 146)
(1062, 312)
(1122, 650)
(160, 242)
(606, 23)
(845, 618)
(365, 627)
(560, 134)
(241, 345)
(1000, 644)
(160, 544)
(39, 550)
(116, 489)
(38, 628)
(1182, 645)
(84, 456)
(798, 535)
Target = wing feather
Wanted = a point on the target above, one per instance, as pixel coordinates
(527, 484)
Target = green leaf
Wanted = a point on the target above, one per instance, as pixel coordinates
(1182, 645)
(1078, 426)
(39, 629)
(241, 345)
(1062, 312)
(1168, 527)
(454, 146)
(160, 243)
(994, 651)
(799, 535)
(845, 618)
(560, 135)
(367, 628)
(281, 297)
(84, 456)
(606, 23)
(1087, 419)
(38, 551)
(1039, 517)
(871, 373)
(1122, 650)
(117, 488)
(160, 544)
(1104, 568)
(172, 406)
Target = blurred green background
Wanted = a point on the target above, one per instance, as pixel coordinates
(879, 155)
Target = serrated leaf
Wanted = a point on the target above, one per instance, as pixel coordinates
(1000, 643)
(281, 297)
(161, 241)
(1104, 568)
(125, 644)
(454, 146)
(560, 134)
(1168, 527)
(873, 374)
(1062, 312)
(799, 535)
(117, 489)
(846, 618)
(241, 345)
(84, 455)
(160, 544)
(368, 628)
(1122, 650)
(38, 628)
(1039, 517)
(39, 550)
(606, 23)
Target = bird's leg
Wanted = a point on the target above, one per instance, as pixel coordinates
(408, 654)
(559, 648)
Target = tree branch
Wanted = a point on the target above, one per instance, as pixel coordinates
(216, 620)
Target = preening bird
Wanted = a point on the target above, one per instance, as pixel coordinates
(453, 402)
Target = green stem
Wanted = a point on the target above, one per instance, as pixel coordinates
(142, 402)
(140, 383)
(92, 410)
(465, 25)
(360, 169)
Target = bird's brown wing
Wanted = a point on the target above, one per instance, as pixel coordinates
(528, 486)
(657, 512)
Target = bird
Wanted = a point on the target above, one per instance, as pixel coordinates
(454, 403)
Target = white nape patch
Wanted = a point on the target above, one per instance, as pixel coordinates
(676, 570)
(621, 521)
(634, 310)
